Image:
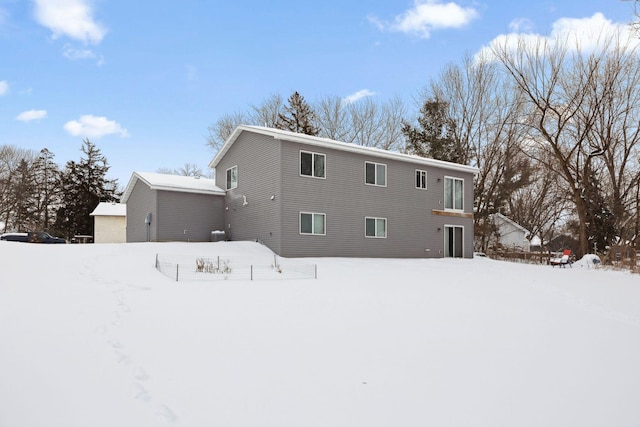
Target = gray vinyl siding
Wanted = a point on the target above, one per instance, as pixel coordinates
(142, 201)
(189, 217)
(270, 167)
(345, 199)
(258, 161)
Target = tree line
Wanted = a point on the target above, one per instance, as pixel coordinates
(37, 195)
(553, 127)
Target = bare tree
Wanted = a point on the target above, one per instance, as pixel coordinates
(263, 114)
(12, 160)
(377, 125)
(562, 87)
(485, 112)
(541, 207)
(266, 113)
(332, 118)
(617, 130)
(188, 169)
(222, 129)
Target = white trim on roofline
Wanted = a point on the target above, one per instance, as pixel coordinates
(165, 182)
(336, 145)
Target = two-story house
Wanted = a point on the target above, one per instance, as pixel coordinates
(308, 196)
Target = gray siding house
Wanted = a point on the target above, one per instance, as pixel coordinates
(308, 196)
(164, 207)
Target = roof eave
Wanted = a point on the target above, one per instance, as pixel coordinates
(337, 145)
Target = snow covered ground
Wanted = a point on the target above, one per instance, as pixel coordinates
(93, 335)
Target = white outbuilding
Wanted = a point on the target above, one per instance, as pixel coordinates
(110, 223)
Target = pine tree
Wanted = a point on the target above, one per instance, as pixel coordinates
(47, 187)
(84, 185)
(22, 197)
(600, 224)
(298, 116)
(434, 136)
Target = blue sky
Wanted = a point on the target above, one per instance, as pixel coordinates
(143, 79)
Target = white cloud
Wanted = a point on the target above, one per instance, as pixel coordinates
(357, 96)
(521, 25)
(75, 54)
(427, 16)
(71, 18)
(90, 126)
(27, 116)
(585, 34)
(4, 87)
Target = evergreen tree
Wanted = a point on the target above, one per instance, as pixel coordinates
(47, 188)
(84, 185)
(600, 223)
(22, 197)
(298, 116)
(434, 136)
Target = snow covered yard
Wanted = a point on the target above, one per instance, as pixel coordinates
(93, 335)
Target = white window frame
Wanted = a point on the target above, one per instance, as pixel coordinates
(376, 178)
(229, 175)
(375, 219)
(313, 164)
(453, 198)
(423, 179)
(313, 222)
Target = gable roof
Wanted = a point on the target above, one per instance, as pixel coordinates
(165, 182)
(336, 145)
(512, 222)
(110, 209)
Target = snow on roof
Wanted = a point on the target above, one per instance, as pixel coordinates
(110, 209)
(166, 182)
(337, 145)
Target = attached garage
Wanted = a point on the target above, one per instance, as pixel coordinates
(163, 207)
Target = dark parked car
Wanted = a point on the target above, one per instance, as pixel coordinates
(32, 237)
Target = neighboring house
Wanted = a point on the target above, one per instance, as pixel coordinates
(309, 196)
(510, 234)
(164, 207)
(563, 241)
(110, 223)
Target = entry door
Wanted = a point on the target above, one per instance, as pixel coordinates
(453, 242)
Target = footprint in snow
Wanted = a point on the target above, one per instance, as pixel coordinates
(140, 393)
(140, 374)
(167, 414)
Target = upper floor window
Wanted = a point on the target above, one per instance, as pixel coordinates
(375, 227)
(421, 179)
(232, 177)
(312, 164)
(453, 193)
(312, 223)
(375, 174)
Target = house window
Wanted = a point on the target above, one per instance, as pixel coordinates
(312, 164)
(453, 193)
(375, 174)
(375, 227)
(232, 177)
(312, 223)
(421, 179)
